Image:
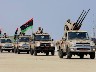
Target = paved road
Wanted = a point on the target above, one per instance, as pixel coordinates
(10, 62)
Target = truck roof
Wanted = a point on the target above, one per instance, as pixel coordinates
(41, 34)
(76, 31)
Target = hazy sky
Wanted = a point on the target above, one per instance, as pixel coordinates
(49, 14)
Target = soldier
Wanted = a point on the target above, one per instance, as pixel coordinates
(39, 31)
(5, 36)
(20, 34)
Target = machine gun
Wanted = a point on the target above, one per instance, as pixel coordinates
(77, 25)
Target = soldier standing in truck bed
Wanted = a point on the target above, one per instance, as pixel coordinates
(39, 31)
(5, 36)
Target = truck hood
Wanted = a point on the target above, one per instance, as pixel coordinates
(21, 43)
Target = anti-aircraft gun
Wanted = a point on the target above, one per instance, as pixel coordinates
(75, 41)
(77, 25)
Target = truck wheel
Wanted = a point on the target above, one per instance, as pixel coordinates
(27, 52)
(13, 51)
(31, 51)
(92, 55)
(47, 53)
(8, 50)
(81, 56)
(52, 53)
(35, 53)
(18, 51)
(69, 55)
(1, 50)
(60, 53)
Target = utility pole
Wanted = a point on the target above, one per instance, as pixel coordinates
(93, 27)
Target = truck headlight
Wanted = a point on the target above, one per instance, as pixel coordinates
(73, 44)
(93, 49)
(38, 44)
(72, 49)
(52, 44)
(92, 43)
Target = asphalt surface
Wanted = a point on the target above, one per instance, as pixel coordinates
(10, 62)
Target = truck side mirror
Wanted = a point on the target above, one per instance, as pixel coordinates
(63, 38)
(52, 39)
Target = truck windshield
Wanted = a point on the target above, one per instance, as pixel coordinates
(42, 37)
(24, 39)
(78, 35)
(6, 41)
(3, 40)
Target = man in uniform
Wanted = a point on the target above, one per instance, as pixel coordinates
(39, 31)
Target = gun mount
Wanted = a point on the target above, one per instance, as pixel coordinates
(77, 25)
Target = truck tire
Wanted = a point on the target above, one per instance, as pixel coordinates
(35, 53)
(92, 55)
(27, 52)
(15, 50)
(31, 51)
(52, 53)
(69, 55)
(1, 50)
(18, 51)
(60, 53)
(81, 56)
(47, 53)
(9, 51)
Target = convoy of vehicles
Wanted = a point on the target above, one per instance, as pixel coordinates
(73, 42)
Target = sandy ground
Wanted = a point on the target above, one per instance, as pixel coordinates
(10, 62)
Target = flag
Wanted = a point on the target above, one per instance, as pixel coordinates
(27, 25)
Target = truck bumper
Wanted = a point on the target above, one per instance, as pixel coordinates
(45, 48)
(24, 49)
(8, 48)
(82, 49)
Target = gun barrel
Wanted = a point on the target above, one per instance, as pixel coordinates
(79, 17)
(79, 21)
(84, 16)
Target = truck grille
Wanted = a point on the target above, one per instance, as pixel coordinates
(82, 43)
(8, 47)
(83, 49)
(45, 44)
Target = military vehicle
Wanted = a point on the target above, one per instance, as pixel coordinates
(22, 44)
(42, 42)
(75, 41)
(6, 44)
